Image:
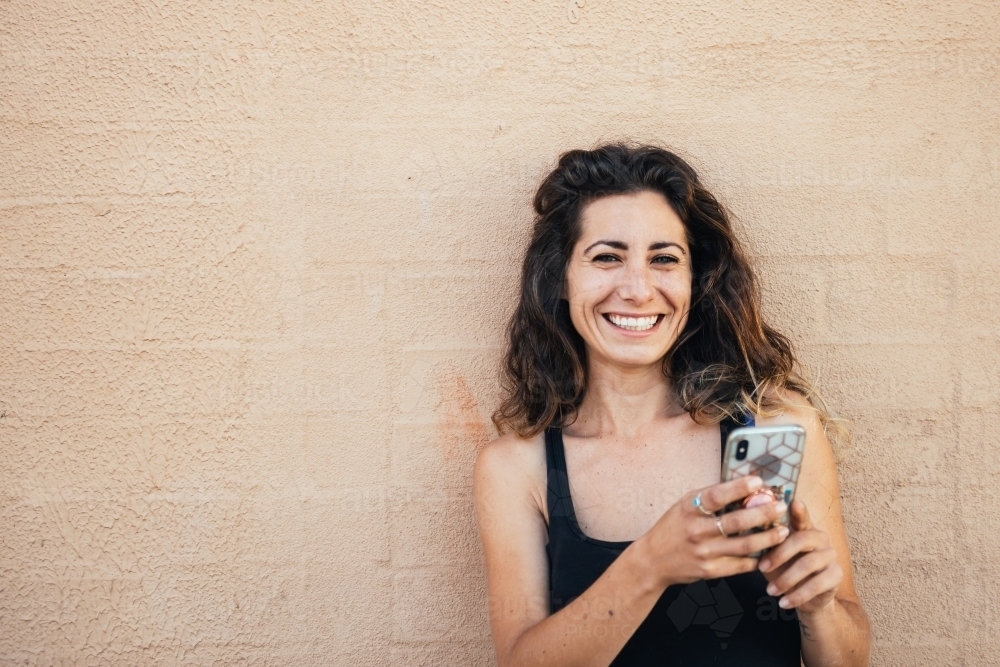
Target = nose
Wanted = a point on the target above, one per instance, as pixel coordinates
(637, 283)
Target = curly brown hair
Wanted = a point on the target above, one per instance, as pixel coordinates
(726, 362)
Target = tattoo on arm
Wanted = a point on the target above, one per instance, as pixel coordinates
(805, 630)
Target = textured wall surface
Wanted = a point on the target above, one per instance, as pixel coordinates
(256, 259)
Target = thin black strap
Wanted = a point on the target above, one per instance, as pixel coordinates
(559, 502)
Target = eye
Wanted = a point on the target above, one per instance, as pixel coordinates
(606, 257)
(665, 259)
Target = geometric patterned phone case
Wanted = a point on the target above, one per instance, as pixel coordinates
(773, 453)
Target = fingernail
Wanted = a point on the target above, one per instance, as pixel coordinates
(771, 589)
(781, 507)
(755, 482)
(782, 532)
(764, 565)
(784, 603)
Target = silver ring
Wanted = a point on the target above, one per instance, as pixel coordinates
(697, 503)
(718, 524)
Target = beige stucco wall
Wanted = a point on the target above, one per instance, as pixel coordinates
(256, 259)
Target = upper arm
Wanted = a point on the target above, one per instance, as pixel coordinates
(513, 532)
(818, 487)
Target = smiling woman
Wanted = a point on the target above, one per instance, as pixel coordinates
(636, 346)
(623, 268)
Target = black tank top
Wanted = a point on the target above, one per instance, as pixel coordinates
(727, 621)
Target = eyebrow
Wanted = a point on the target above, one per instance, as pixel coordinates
(659, 245)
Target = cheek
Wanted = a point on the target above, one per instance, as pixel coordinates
(586, 288)
(676, 288)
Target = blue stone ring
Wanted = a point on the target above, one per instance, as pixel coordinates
(697, 503)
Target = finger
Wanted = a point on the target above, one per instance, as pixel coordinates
(762, 515)
(727, 566)
(800, 570)
(714, 498)
(797, 543)
(774, 572)
(748, 544)
(800, 516)
(734, 523)
(822, 582)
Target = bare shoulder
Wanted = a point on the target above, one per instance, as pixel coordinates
(510, 456)
(797, 410)
(512, 466)
(510, 451)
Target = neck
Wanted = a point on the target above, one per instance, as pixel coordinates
(622, 401)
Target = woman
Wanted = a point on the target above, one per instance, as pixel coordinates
(637, 344)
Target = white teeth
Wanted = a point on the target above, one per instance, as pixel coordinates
(634, 323)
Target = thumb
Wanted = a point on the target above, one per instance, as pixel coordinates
(800, 516)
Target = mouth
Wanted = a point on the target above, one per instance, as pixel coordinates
(626, 323)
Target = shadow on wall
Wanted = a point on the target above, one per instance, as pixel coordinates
(462, 430)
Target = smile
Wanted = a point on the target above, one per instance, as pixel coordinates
(633, 323)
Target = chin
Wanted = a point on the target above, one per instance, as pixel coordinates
(636, 360)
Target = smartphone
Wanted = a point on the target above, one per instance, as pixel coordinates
(773, 453)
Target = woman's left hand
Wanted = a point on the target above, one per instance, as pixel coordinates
(803, 570)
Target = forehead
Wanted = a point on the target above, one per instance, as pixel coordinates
(638, 217)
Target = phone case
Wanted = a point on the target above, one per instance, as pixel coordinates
(774, 453)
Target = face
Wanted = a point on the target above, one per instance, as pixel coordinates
(628, 282)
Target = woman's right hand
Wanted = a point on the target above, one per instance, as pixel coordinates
(686, 545)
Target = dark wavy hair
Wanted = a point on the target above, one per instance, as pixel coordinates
(725, 362)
